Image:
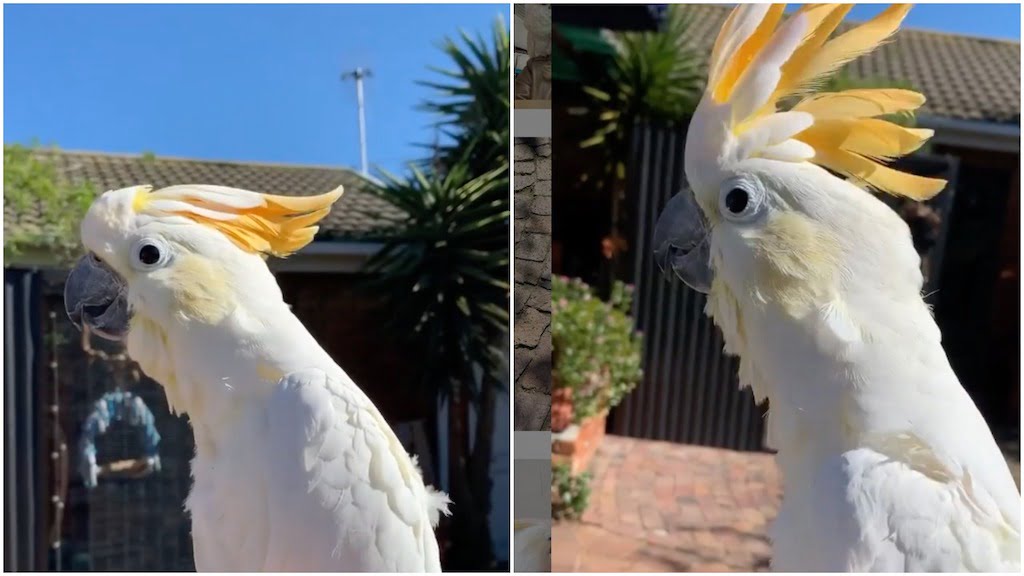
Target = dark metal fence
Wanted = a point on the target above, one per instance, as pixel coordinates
(23, 455)
(132, 519)
(690, 391)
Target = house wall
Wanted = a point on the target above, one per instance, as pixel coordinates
(532, 316)
(979, 310)
(343, 320)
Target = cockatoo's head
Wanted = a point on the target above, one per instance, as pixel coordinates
(183, 252)
(763, 212)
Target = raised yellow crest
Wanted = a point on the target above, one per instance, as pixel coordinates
(257, 223)
(758, 60)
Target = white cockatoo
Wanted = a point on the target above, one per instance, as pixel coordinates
(532, 546)
(887, 463)
(295, 469)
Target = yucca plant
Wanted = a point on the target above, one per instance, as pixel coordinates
(443, 272)
(444, 269)
(653, 76)
(471, 102)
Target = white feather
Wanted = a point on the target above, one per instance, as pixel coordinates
(748, 18)
(762, 76)
(888, 465)
(177, 206)
(788, 151)
(771, 130)
(223, 195)
(532, 546)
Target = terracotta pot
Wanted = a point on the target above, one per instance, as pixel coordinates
(561, 409)
(578, 451)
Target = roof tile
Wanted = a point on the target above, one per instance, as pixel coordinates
(963, 77)
(356, 215)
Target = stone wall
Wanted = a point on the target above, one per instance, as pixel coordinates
(532, 180)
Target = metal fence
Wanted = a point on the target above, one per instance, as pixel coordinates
(22, 462)
(690, 391)
(132, 519)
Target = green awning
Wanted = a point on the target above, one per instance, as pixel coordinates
(585, 41)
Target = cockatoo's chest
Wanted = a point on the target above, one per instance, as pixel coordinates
(793, 359)
(228, 501)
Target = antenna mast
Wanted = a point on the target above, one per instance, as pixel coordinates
(358, 74)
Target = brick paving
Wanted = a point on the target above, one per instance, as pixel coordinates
(532, 180)
(663, 507)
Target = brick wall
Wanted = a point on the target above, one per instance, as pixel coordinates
(344, 321)
(532, 312)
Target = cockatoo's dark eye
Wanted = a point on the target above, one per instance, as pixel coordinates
(736, 200)
(741, 199)
(149, 254)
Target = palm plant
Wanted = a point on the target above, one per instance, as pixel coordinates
(472, 103)
(443, 272)
(444, 269)
(653, 76)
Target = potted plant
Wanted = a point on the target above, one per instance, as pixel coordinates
(595, 363)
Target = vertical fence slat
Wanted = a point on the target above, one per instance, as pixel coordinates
(21, 440)
(689, 392)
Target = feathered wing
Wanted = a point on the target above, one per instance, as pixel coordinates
(342, 493)
(946, 516)
(760, 59)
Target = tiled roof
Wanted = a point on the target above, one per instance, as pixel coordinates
(355, 216)
(963, 77)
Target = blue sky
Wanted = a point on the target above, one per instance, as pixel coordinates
(260, 83)
(253, 83)
(988, 20)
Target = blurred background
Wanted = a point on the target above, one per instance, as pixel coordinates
(532, 24)
(406, 106)
(661, 463)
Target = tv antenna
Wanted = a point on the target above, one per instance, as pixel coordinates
(358, 74)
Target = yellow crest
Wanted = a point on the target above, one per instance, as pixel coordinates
(758, 60)
(257, 223)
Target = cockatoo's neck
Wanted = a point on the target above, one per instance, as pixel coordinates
(215, 371)
(841, 373)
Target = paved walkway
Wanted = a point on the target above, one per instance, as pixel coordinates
(662, 507)
(532, 181)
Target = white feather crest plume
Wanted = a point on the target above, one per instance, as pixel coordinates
(758, 59)
(257, 223)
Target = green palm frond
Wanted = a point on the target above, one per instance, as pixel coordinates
(471, 101)
(443, 272)
(654, 75)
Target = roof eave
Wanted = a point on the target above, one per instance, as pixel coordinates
(327, 257)
(320, 257)
(973, 134)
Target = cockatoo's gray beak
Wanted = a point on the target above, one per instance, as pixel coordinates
(95, 295)
(681, 242)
